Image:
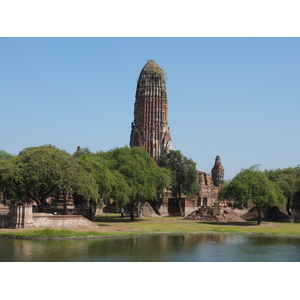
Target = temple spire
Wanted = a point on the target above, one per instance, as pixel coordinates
(150, 127)
(217, 172)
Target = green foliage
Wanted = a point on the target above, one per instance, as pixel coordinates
(143, 179)
(159, 73)
(40, 172)
(217, 203)
(81, 151)
(5, 155)
(128, 175)
(95, 165)
(288, 180)
(9, 177)
(111, 183)
(183, 173)
(253, 186)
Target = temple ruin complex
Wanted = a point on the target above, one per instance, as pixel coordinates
(150, 131)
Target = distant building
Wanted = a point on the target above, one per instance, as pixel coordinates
(217, 172)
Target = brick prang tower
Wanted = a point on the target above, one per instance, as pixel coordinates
(150, 127)
(217, 172)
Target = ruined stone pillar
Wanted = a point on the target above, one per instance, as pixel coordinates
(15, 216)
(28, 216)
(21, 217)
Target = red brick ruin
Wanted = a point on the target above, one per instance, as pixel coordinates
(217, 172)
(150, 127)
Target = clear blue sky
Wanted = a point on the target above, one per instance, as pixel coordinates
(234, 97)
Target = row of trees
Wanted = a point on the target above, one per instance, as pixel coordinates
(130, 177)
(127, 175)
(41, 172)
(264, 189)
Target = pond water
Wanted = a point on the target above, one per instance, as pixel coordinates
(160, 248)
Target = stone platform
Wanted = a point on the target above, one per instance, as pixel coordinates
(23, 217)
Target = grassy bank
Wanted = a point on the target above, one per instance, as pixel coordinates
(113, 225)
(47, 233)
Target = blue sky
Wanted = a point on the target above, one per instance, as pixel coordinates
(234, 97)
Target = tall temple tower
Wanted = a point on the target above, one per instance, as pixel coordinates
(217, 172)
(150, 127)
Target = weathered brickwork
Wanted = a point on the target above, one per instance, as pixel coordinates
(208, 192)
(22, 216)
(209, 185)
(150, 127)
(217, 172)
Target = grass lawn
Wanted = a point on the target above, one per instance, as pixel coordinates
(114, 225)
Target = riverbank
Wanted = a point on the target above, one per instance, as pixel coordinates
(113, 226)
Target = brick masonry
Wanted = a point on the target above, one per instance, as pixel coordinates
(150, 127)
(21, 216)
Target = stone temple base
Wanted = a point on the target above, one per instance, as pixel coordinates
(22, 217)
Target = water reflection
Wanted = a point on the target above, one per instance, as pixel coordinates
(162, 248)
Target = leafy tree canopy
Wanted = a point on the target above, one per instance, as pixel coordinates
(183, 174)
(110, 183)
(288, 180)
(9, 176)
(252, 186)
(144, 179)
(5, 155)
(39, 172)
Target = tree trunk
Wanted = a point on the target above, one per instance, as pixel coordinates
(288, 207)
(131, 211)
(180, 203)
(259, 215)
(180, 207)
(38, 201)
(92, 210)
(92, 214)
(39, 205)
(65, 204)
(42, 204)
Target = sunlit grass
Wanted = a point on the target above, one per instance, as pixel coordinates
(49, 233)
(117, 226)
(178, 225)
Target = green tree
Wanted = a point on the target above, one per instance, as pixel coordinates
(288, 180)
(110, 183)
(5, 155)
(9, 177)
(45, 170)
(252, 186)
(183, 174)
(144, 179)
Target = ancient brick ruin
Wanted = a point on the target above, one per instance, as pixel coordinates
(209, 185)
(150, 127)
(217, 172)
(150, 131)
(208, 192)
(22, 216)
